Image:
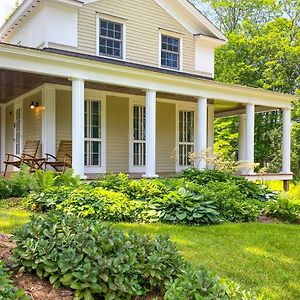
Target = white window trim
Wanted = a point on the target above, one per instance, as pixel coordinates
(97, 169)
(124, 31)
(132, 103)
(179, 107)
(175, 35)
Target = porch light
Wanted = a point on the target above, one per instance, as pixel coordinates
(34, 105)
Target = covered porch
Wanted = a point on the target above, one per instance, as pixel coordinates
(122, 117)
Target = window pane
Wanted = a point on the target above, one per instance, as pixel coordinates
(170, 49)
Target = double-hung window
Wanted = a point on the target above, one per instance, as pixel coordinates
(111, 39)
(170, 52)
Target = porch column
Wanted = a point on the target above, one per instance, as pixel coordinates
(48, 120)
(286, 141)
(3, 109)
(202, 130)
(210, 131)
(249, 135)
(78, 126)
(150, 134)
(242, 140)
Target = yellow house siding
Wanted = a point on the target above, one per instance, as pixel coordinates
(143, 18)
(117, 134)
(63, 116)
(32, 120)
(165, 137)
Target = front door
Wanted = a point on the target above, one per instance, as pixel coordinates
(93, 133)
(18, 129)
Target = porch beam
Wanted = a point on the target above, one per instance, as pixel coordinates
(202, 130)
(249, 135)
(48, 120)
(78, 126)
(150, 134)
(286, 141)
(3, 130)
(242, 138)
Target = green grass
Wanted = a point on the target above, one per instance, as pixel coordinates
(11, 217)
(262, 257)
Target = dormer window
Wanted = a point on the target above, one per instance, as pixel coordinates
(111, 39)
(170, 52)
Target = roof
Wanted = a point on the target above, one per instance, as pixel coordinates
(192, 15)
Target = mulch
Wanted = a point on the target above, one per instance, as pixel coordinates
(33, 286)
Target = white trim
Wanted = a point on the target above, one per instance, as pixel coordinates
(179, 36)
(141, 101)
(124, 34)
(286, 140)
(190, 107)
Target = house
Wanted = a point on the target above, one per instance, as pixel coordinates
(130, 82)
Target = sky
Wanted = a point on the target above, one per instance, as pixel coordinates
(5, 8)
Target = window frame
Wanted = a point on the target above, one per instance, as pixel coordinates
(113, 19)
(175, 35)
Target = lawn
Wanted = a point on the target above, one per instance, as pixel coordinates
(263, 257)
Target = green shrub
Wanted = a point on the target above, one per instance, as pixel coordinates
(95, 259)
(183, 207)
(250, 189)
(101, 204)
(283, 209)
(5, 189)
(201, 284)
(7, 290)
(142, 190)
(48, 199)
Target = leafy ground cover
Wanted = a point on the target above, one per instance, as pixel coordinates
(264, 257)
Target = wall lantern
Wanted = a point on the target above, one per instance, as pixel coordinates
(34, 105)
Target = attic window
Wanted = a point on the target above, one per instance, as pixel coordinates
(111, 39)
(170, 52)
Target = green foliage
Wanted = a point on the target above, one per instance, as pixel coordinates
(7, 290)
(183, 207)
(95, 259)
(283, 209)
(101, 204)
(201, 284)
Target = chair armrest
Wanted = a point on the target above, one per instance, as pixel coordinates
(48, 155)
(30, 156)
(12, 155)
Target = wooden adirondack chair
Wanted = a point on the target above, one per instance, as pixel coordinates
(28, 157)
(63, 158)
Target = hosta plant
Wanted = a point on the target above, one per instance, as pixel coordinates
(95, 259)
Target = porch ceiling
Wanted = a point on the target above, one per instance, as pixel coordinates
(15, 83)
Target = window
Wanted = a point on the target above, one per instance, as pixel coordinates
(111, 39)
(186, 136)
(170, 52)
(139, 136)
(92, 133)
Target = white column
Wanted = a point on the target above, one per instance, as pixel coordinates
(150, 134)
(3, 109)
(249, 136)
(202, 130)
(48, 120)
(286, 140)
(210, 131)
(242, 139)
(78, 126)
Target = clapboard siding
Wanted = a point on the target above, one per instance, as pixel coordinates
(143, 18)
(117, 134)
(32, 121)
(165, 137)
(63, 116)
